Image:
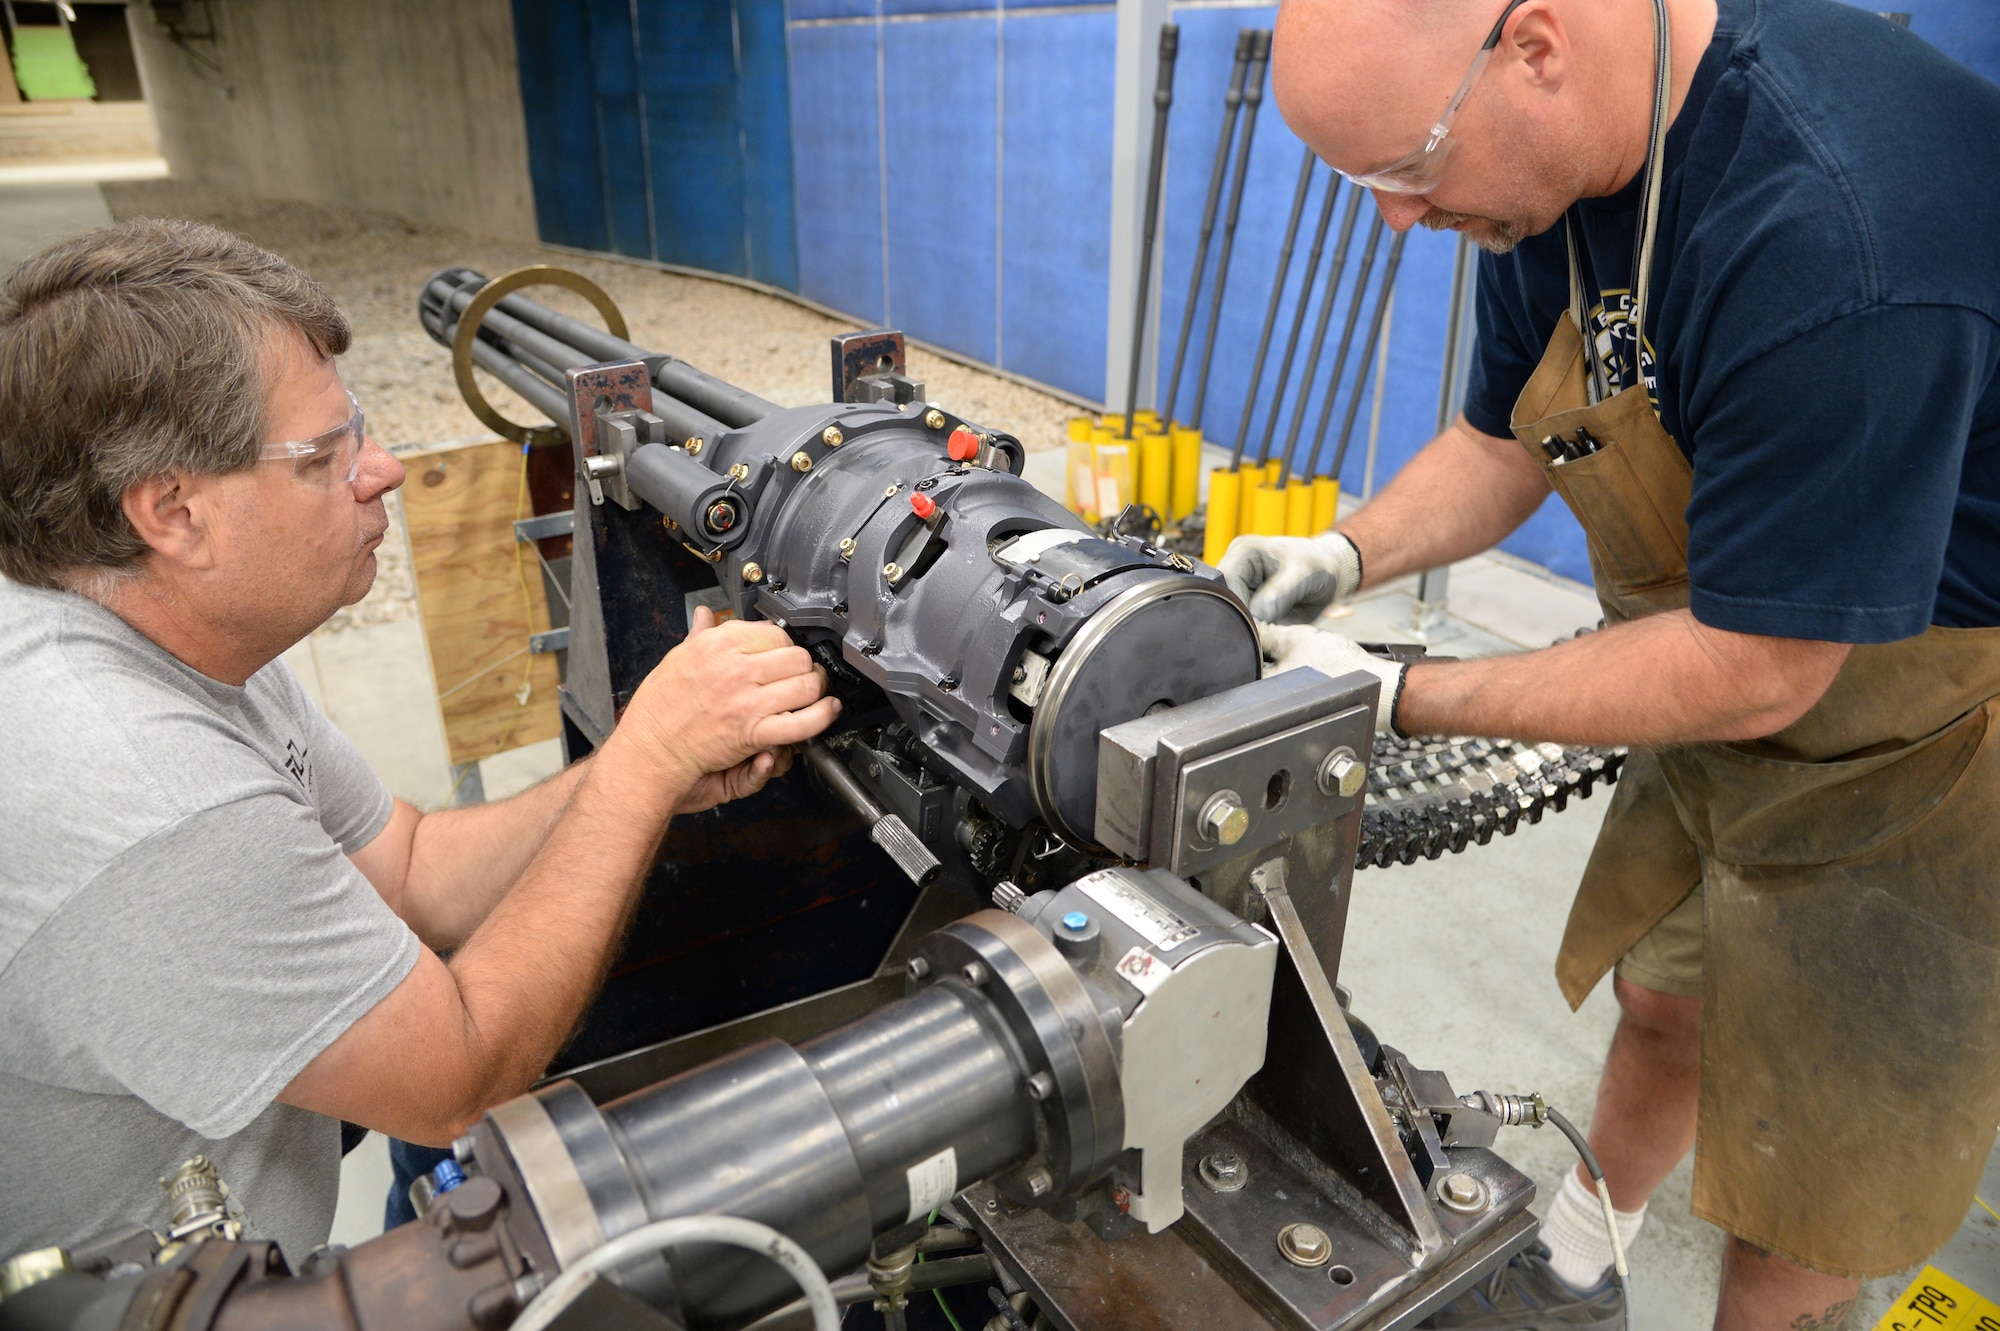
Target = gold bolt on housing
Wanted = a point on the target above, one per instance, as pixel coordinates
(890, 493)
(892, 571)
(802, 461)
(741, 471)
(934, 418)
(847, 547)
(833, 437)
(670, 524)
(694, 446)
(753, 572)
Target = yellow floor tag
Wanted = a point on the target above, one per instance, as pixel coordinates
(1936, 1302)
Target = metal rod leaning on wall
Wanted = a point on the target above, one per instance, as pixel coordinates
(1232, 102)
(1299, 318)
(1394, 261)
(1163, 101)
(1271, 311)
(1311, 368)
(1427, 613)
(1353, 320)
(1253, 97)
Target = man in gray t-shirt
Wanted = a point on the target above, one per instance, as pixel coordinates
(219, 934)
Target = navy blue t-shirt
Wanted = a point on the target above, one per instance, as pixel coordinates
(1823, 329)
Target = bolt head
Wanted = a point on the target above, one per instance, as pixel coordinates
(802, 461)
(1463, 1193)
(741, 471)
(753, 572)
(918, 968)
(831, 436)
(1305, 1245)
(934, 419)
(721, 517)
(695, 445)
(1040, 1183)
(975, 973)
(847, 547)
(1041, 1086)
(890, 493)
(1224, 819)
(1224, 1171)
(1075, 919)
(892, 571)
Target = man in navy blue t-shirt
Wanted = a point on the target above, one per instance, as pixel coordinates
(1791, 484)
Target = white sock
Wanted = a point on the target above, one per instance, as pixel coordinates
(1579, 1249)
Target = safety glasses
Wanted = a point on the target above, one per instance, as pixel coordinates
(1420, 172)
(333, 458)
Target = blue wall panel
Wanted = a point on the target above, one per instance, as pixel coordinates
(837, 167)
(940, 107)
(764, 109)
(561, 114)
(620, 129)
(1055, 222)
(688, 69)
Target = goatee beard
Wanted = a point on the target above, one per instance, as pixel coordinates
(1505, 235)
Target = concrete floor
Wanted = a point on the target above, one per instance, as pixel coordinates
(1451, 961)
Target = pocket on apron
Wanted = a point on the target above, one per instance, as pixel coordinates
(1753, 811)
(1639, 547)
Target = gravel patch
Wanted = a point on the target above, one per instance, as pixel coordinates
(375, 264)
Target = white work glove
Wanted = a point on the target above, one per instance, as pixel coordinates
(1292, 577)
(1290, 646)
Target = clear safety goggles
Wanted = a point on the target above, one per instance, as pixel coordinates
(332, 458)
(1420, 172)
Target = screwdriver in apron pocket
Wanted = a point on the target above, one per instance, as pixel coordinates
(1569, 450)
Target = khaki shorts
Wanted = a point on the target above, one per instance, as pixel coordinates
(1668, 958)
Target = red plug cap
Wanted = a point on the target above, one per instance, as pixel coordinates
(963, 445)
(922, 505)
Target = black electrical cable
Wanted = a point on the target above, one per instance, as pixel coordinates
(1618, 1264)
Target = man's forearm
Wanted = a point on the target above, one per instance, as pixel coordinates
(1664, 679)
(1459, 495)
(462, 861)
(523, 982)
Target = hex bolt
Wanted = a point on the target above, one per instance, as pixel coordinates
(847, 547)
(1041, 1086)
(1223, 818)
(832, 437)
(741, 471)
(695, 445)
(975, 973)
(918, 968)
(1342, 773)
(934, 418)
(1463, 1193)
(1305, 1245)
(1040, 1182)
(892, 571)
(753, 572)
(670, 524)
(802, 461)
(1224, 1171)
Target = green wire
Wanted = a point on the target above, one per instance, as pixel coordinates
(938, 1294)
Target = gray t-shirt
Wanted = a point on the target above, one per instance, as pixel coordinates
(180, 929)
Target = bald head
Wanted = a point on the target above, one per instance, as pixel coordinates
(1363, 81)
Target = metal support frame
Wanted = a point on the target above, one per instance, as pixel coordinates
(1131, 142)
(1428, 619)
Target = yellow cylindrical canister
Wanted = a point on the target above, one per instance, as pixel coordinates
(1299, 508)
(1111, 461)
(1326, 503)
(1274, 471)
(1246, 503)
(1114, 421)
(1080, 426)
(1185, 492)
(1148, 421)
(1270, 515)
(1083, 478)
(1156, 474)
(1222, 504)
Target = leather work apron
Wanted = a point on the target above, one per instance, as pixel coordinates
(1850, 1021)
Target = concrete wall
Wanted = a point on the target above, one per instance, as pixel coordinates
(413, 109)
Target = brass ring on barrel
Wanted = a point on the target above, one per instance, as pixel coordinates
(483, 301)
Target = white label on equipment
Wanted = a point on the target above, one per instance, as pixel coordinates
(1155, 922)
(933, 1182)
(1145, 971)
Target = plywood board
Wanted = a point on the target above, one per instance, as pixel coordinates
(459, 505)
